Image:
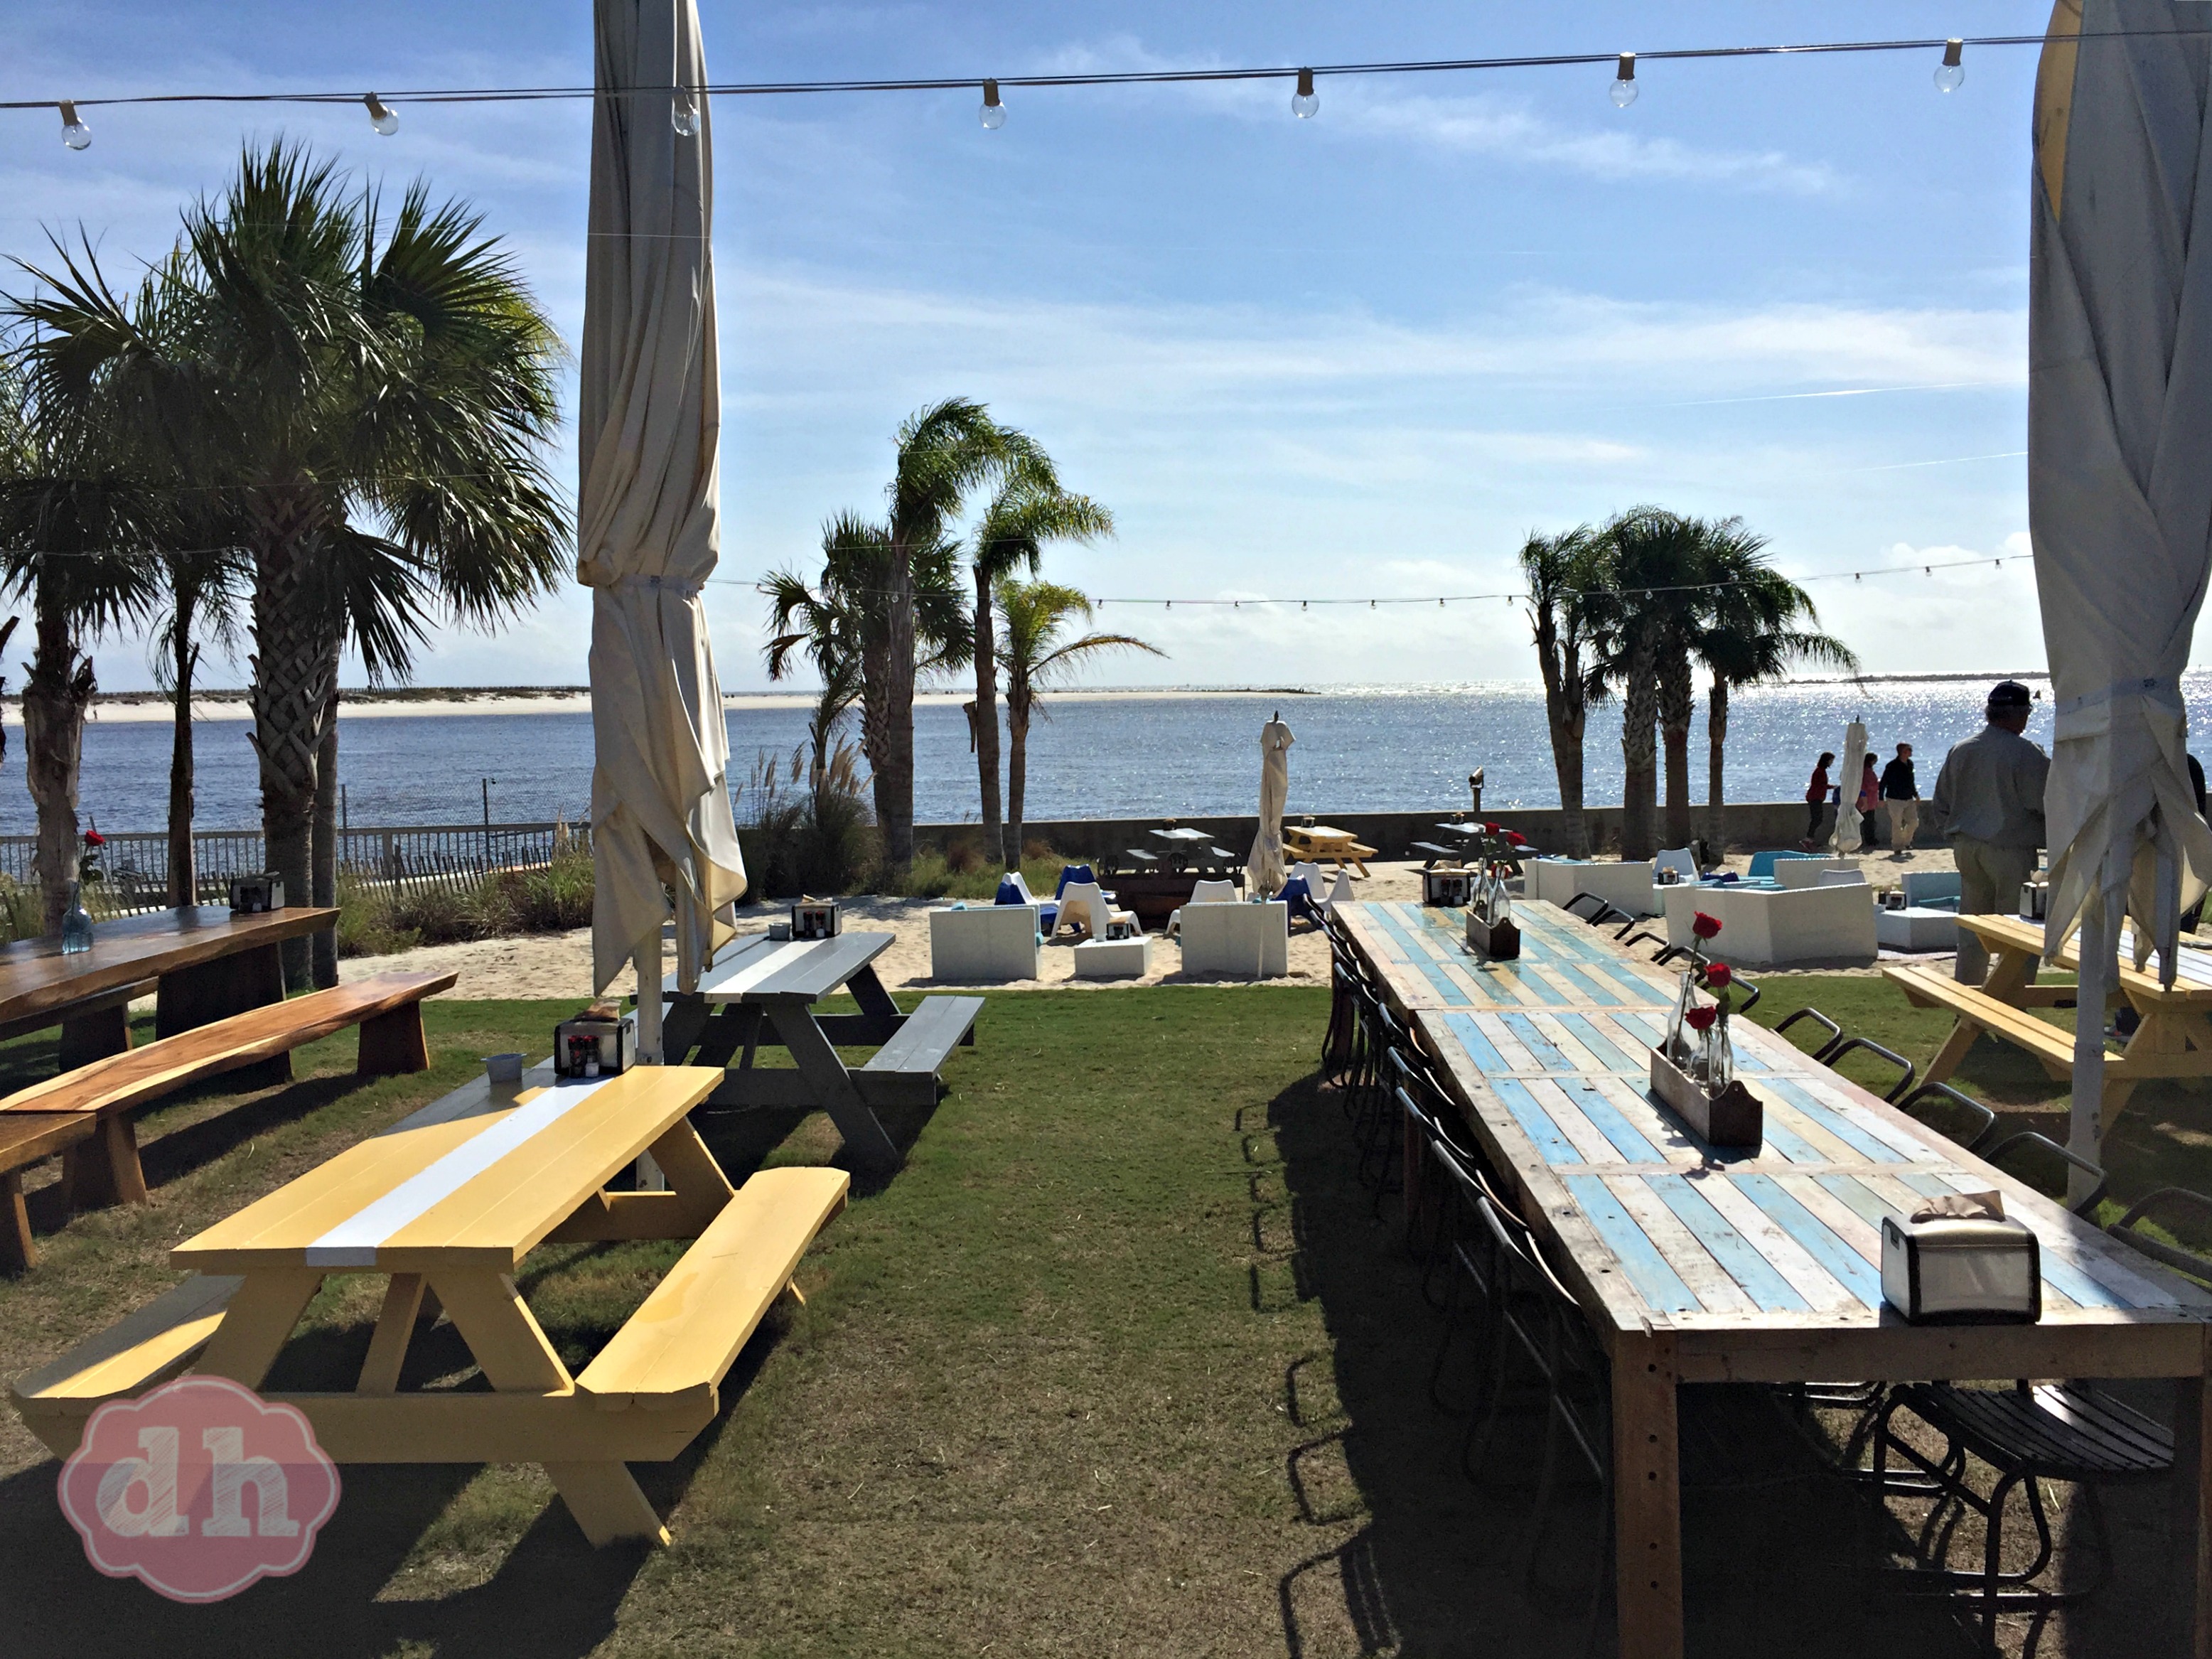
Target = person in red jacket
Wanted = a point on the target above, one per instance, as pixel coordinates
(1816, 798)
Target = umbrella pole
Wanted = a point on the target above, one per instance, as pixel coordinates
(650, 1178)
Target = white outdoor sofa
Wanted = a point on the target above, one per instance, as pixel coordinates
(983, 944)
(1239, 941)
(1779, 927)
(1628, 888)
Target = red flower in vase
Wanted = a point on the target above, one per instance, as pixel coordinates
(1719, 976)
(1704, 927)
(94, 838)
(1700, 1019)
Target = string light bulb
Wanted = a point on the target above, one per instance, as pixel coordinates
(380, 116)
(1951, 74)
(1624, 84)
(1305, 103)
(75, 133)
(994, 113)
(684, 116)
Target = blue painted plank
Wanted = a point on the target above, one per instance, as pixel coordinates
(1486, 1057)
(1735, 1253)
(1536, 1123)
(1875, 1150)
(1638, 988)
(1659, 1284)
(1607, 1120)
(1418, 958)
(1529, 984)
(1779, 1137)
(1548, 1053)
(1651, 1027)
(1844, 1264)
(1608, 1052)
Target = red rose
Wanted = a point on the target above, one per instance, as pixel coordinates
(1704, 927)
(1700, 1019)
(1516, 837)
(1718, 976)
(94, 838)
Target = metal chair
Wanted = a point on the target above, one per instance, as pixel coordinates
(2002, 1156)
(1835, 1032)
(1982, 1129)
(2166, 1202)
(1378, 1114)
(1835, 1051)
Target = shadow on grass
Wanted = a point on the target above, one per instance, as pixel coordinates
(1786, 1559)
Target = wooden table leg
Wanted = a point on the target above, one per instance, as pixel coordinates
(258, 1322)
(104, 1169)
(18, 1252)
(1647, 1498)
(192, 997)
(395, 1329)
(875, 1005)
(508, 1343)
(832, 1084)
(94, 1035)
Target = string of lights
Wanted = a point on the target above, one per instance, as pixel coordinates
(1305, 102)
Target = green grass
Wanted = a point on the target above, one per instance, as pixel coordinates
(1123, 1360)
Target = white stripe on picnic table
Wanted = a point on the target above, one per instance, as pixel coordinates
(354, 1241)
(741, 976)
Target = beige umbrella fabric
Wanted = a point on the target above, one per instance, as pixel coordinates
(1847, 797)
(1263, 871)
(2119, 489)
(648, 512)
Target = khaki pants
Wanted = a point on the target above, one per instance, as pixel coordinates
(1989, 879)
(1902, 817)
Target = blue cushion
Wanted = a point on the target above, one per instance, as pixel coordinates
(1009, 893)
(1069, 872)
(1300, 897)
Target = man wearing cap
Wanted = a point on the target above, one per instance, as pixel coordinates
(1989, 800)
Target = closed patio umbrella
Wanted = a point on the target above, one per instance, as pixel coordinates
(2119, 481)
(648, 422)
(1847, 794)
(1263, 871)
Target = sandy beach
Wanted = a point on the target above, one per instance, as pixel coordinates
(559, 965)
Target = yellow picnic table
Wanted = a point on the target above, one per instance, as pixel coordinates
(2174, 1039)
(1321, 841)
(445, 1206)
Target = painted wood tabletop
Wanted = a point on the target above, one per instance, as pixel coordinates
(475, 1191)
(2192, 983)
(763, 969)
(1421, 953)
(35, 976)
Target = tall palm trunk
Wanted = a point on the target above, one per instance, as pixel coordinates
(56, 693)
(1717, 714)
(895, 776)
(293, 670)
(323, 859)
(875, 724)
(1017, 773)
(1677, 703)
(1566, 713)
(184, 872)
(1638, 757)
(986, 724)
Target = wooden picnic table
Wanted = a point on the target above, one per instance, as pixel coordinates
(1420, 952)
(2173, 1040)
(446, 1205)
(1696, 1264)
(205, 962)
(1317, 841)
(763, 990)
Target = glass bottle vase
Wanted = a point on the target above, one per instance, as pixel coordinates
(77, 923)
(1716, 1058)
(1676, 1044)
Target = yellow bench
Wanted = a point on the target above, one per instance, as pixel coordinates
(149, 1347)
(676, 1349)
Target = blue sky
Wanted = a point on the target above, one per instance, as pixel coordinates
(1362, 353)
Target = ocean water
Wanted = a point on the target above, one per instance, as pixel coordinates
(1358, 749)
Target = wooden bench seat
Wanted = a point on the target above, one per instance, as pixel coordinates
(676, 1349)
(104, 1169)
(1925, 988)
(24, 1141)
(903, 1071)
(1432, 854)
(149, 1347)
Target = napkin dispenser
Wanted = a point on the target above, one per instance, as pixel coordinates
(814, 919)
(255, 894)
(597, 1043)
(1448, 886)
(1951, 1270)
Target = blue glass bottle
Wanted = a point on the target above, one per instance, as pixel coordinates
(77, 923)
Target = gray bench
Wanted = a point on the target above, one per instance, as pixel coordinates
(1432, 854)
(903, 1071)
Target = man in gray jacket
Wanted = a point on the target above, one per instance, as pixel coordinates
(1990, 802)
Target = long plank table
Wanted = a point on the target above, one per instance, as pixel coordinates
(207, 963)
(1696, 1264)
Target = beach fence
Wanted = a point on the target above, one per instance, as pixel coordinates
(136, 862)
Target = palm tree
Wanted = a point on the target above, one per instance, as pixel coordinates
(315, 364)
(1642, 625)
(840, 625)
(204, 588)
(944, 451)
(1036, 656)
(1756, 624)
(1029, 510)
(76, 531)
(1561, 569)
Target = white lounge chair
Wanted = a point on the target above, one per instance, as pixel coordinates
(1681, 860)
(1207, 892)
(1340, 894)
(1083, 905)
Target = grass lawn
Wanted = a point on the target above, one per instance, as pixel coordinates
(1122, 1361)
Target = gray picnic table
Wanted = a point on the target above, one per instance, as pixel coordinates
(762, 990)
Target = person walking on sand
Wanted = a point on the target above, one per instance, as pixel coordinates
(1870, 800)
(1900, 803)
(1989, 800)
(1816, 799)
